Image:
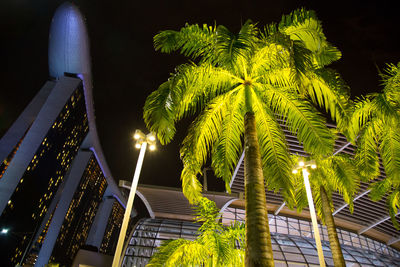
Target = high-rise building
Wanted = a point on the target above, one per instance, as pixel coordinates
(57, 194)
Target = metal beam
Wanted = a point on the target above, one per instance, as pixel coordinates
(345, 204)
(393, 240)
(280, 208)
(366, 228)
(342, 148)
(236, 170)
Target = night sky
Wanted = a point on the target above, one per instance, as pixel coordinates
(126, 68)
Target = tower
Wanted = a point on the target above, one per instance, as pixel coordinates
(56, 190)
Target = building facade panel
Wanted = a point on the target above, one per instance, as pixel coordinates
(43, 175)
(80, 215)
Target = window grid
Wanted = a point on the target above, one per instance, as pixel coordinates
(297, 227)
(288, 250)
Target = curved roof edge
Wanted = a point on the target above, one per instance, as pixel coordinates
(69, 49)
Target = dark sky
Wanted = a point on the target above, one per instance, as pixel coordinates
(126, 68)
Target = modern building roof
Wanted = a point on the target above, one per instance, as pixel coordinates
(369, 218)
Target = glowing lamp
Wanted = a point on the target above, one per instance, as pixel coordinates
(138, 134)
(138, 145)
(294, 171)
(313, 166)
(152, 147)
(301, 163)
(151, 137)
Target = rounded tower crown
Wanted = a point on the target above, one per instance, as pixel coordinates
(68, 42)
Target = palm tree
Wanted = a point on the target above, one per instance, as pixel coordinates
(217, 245)
(375, 121)
(243, 85)
(336, 173)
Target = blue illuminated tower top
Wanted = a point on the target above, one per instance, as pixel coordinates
(68, 42)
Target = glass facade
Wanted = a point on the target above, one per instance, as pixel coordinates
(111, 233)
(298, 227)
(148, 235)
(41, 179)
(80, 215)
(294, 246)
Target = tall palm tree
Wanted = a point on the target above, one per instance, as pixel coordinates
(376, 123)
(242, 85)
(336, 173)
(216, 245)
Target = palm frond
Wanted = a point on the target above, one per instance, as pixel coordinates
(302, 120)
(203, 132)
(193, 41)
(328, 90)
(393, 203)
(390, 153)
(173, 253)
(195, 85)
(191, 186)
(379, 189)
(159, 113)
(275, 157)
(231, 46)
(363, 109)
(304, 25)
(391, 82)
(366, 157)
(228, 147)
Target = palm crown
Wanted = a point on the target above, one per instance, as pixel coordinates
(375, 122)
(276, 73)
(216, 244)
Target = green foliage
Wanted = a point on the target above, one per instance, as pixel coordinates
(375, 121)
(336, 173)
(215, 245)
(277, 73)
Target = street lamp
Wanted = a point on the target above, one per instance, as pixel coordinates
(303, 166)
(141, 143)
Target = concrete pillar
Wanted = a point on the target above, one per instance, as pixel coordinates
(99, 225)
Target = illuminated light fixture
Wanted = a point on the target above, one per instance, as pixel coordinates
(138, 135)
(9, 202)
(303, 167)
(4, 231)
(151, 137)
(142, 141)
(313, 166)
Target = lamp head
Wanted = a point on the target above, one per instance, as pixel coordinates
(313, 166)
(138, 135)
(151, 137)
(301, 163)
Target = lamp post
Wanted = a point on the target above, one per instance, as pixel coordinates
(303, 167)
(141, 143)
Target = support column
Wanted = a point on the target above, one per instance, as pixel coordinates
(99, 225)
(73, 179)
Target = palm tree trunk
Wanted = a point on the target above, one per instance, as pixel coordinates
(258, 238)
(337, 255)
